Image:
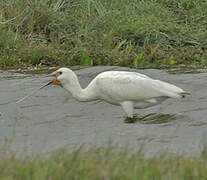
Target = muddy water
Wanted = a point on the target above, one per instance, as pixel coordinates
(51, 119)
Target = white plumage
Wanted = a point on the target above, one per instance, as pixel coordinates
(128, 89)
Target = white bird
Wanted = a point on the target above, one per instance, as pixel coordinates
(126, 89)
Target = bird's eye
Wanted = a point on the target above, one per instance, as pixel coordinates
(60, 72)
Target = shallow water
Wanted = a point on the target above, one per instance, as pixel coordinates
(51, 119)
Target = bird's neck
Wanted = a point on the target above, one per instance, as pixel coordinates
(87, 94)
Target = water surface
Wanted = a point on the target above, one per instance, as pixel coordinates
(51, 119)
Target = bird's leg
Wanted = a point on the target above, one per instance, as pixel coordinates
(146, 116)
(128, 108)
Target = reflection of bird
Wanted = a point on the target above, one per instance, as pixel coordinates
(127, 89)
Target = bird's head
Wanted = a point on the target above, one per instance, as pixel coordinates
(60, 76)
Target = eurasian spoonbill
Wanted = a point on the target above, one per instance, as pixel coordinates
(127, 89)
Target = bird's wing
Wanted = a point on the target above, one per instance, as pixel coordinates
(134, 86)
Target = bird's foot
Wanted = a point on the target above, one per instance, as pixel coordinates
(136, 118)
(129, 120)
(132, 120)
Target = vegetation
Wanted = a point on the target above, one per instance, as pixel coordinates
(135, 33)
(103, 163)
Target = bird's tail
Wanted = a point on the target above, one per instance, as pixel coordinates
(184, 94)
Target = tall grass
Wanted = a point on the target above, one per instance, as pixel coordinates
(57, 32)
(103, 163)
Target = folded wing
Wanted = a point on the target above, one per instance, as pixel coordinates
(134, 86)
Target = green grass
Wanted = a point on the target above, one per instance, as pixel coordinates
(107, 32)
(103, 163)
